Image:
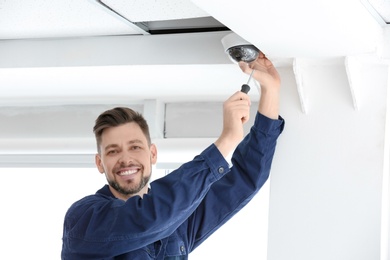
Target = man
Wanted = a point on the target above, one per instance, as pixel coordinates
(127, 220)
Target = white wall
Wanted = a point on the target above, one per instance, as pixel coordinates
(34, 202)
(325, 200)
(385, 223)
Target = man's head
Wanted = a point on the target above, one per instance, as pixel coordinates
(125, 153)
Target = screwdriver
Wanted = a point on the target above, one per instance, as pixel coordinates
(245, 87)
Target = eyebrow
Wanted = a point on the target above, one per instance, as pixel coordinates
(135, 141)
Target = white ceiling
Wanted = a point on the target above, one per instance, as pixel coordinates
(67, 60)
(71, 18)
(72, 51)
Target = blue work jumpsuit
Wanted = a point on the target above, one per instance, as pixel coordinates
(181, 209)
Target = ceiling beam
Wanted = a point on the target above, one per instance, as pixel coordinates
(299, 79)
(354, 70)
(172, 49)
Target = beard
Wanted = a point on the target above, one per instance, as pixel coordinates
(132, 190)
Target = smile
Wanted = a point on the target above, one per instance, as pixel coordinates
(128, 172)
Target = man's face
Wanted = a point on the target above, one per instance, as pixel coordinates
(126, 159)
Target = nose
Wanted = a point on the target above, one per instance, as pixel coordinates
(125, 159)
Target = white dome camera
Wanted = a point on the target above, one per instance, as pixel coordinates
(239, 49)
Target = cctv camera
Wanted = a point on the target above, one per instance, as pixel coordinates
(239, 49)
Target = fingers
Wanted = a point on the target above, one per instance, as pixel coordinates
(244, 67)
(262, 55)
(264, 71)
(238, 106)
(240, 96)
(258, 64)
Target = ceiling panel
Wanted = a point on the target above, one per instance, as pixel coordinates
(57, 18)
(152, 10)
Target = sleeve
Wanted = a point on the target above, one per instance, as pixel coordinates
(251, 165)
(102, 227)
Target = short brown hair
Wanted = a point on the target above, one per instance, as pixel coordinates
(119, 116)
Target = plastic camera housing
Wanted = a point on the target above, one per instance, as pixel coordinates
(239, 49)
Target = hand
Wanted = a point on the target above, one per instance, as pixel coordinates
(269, 79)
(235, 113)
(265, 72)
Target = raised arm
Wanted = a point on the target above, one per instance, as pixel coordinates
(252, 158)
(269, 79)
(236, 108)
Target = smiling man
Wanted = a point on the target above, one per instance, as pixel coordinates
(125, 153)
(128, 220)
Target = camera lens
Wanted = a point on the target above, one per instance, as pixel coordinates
(246, 53)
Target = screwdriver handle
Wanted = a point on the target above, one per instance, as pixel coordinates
(245, 88)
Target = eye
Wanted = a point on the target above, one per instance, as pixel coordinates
(111, 152)
(135, 147)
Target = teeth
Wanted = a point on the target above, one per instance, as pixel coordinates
(129, 172)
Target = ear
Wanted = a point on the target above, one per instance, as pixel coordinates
(153, 153)
(99, 163)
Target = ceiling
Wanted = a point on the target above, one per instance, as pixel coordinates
(71, 52)
(71, 18)
(59, 55)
